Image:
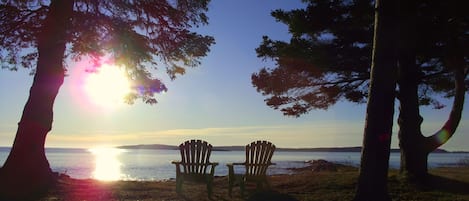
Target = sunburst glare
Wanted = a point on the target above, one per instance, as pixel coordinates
(107, 164)
(107, 87)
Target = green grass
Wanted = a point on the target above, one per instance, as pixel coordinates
(445, 184)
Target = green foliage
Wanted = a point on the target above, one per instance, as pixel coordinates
(329, 54)
(139, 35)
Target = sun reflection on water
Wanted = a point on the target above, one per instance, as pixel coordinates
(107, 164)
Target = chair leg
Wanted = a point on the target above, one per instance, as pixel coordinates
(230, 184)
(242, 187)
(209, 188)
(178, 185)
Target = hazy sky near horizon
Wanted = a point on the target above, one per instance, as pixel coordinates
(215, 101)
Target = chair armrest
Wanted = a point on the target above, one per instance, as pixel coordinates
(212, 169)
(231, 168)
(178, 166)
(176, 162)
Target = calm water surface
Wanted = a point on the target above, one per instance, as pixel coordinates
(135, 164)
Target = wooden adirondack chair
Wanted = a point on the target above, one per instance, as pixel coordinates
(195, 160)
(258, 156)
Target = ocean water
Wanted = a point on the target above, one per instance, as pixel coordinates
(146, 164)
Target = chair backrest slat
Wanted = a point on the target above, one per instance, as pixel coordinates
(258, 157)
(195, 156)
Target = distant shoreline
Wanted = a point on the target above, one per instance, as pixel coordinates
(241, 148)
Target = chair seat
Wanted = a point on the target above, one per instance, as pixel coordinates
(196, 177)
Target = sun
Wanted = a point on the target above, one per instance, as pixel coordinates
(107, 87)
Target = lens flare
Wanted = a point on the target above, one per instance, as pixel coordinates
(442, 136)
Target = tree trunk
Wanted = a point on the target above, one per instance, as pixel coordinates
(414, 146)
(372, 181)
(26, 172)
(410, 120)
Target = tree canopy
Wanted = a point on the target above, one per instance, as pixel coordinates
(328, 56)
(138, 35)
(44, 35)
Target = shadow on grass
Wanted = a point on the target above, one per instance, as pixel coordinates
(271, 196)
(435, 182)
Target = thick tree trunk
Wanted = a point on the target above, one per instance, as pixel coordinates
(26, 172)
(411, 141)
(372, 181)
(414, 146)
(410, 137)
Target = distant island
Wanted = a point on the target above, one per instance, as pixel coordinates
(241, 148)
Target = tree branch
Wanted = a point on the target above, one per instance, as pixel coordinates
(449, 128)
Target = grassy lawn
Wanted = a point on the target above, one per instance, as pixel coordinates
(446, 184)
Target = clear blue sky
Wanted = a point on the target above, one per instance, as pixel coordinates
(215, 102)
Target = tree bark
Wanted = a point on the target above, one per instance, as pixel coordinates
(414, 146)
(372, 181)
(410, 120)
(26, 172)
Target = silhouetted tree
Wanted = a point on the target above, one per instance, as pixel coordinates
(374, 165)
(135, 34)
(328, 59)
(443, 52)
